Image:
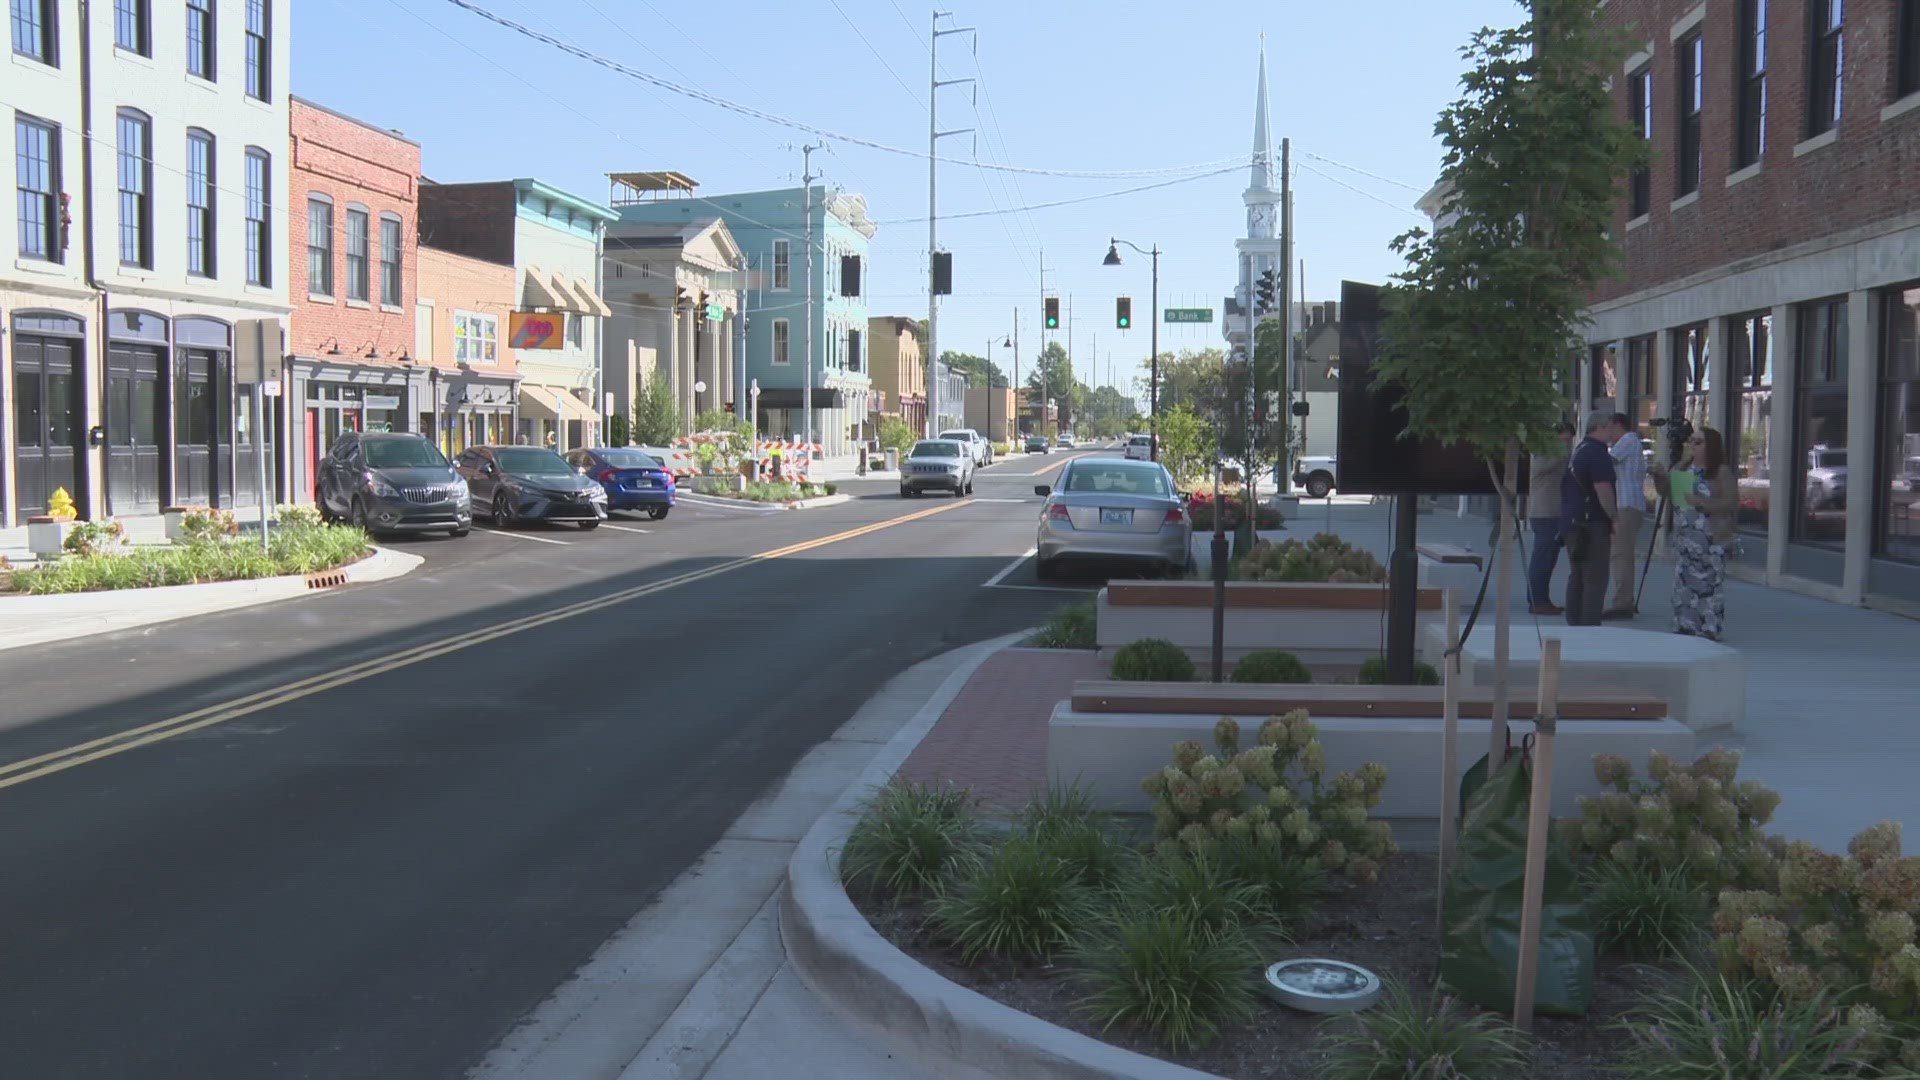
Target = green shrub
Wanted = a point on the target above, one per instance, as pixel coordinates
(1698, 814)
(1167, 973)
(909, 837)
(1373, 672)
(290, 551)
(1710, 1028)
(1265, 515)
(1152, 660)
(1404, 1038)
(1073, 627)
(1276, 792)
(1326, 557)
(291, 516)
(831, 489)
(1289, 886)
(1839, 928)
(88, 538)
(1271, 666)
(896, 434)
(201, 523)
(1197, 886)
(1065, 822)
(1644, 913)
(1024, 902)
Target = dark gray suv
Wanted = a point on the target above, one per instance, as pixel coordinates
(392, 482)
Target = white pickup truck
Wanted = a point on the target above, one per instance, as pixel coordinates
(1315, 475)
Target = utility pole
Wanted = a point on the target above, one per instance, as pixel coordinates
(1068, 389)
(1286, 303)
(1016, 374)
(806, 392)
(934, 135)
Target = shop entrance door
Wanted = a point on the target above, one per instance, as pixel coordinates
(48, 421)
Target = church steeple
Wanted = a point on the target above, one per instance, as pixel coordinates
(1262, 138)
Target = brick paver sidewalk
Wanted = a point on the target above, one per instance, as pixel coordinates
(992, 739)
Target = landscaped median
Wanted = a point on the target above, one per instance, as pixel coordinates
(793, 496)
(1040, 935)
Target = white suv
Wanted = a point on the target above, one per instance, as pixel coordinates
(976, 442)
(1140, 448)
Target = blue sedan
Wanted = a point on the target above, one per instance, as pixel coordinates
(634, 480)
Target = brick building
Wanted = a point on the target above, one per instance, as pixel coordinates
(351, 272)
(899, 369)
(460, 335)
(1772, 273)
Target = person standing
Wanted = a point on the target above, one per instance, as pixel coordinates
(1586, 521)
(1543, 518)
(1630, 470)
(1705, 500)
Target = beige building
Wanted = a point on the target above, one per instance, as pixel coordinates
(460, 334)
(990, 412)
(899, 368)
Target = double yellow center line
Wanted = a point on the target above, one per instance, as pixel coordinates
(33, 768)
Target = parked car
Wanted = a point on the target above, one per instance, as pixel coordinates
(633, 479)
(517, 484)
(1140, 448)
(1316, 475)
(391, 482)
(976, 443)
(1064, 440)
(1826, 478)
(1037, 444)
(1113, 510)
(937, 465)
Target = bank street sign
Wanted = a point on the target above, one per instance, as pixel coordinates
(1189, 315)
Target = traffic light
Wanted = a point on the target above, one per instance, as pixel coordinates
(1268, 286)
(1053, 313)
(943, 273)
(1123, 312)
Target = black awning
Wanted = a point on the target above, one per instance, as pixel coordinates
(793, 398)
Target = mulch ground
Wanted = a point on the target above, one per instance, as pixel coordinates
(1388, 928)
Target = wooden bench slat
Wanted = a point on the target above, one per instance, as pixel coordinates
(1413, 702)
(1264, 595)
(1450, 553)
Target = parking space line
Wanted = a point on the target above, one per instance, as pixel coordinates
(524, 536)
(1009, 568)
(622, 528)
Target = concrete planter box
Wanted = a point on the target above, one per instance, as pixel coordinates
(172, 519)
(1703, 682)
(1105, 739)
(1319, 623)
(47, 538)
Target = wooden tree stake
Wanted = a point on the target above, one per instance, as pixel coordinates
(1533, 885)
(1449, 742)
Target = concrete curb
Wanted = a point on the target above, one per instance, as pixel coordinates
(824, 500)
(846, 961)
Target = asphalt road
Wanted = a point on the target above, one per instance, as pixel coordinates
(360, 834)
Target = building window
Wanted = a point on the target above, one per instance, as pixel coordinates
(476, 338)
(1826, 65)
(1820, 424)
(131, 29)
(357, 267)
(1692, 373)
(259, 203)
(390, 260)
(1906, 75)
(200, 54)
(1749, 441)
(319, 246)
(1643, 399)
(136, 189)
(200, 188)
(853, 350)
(1750, 94)
(782, 265)
(782, 342)
(1603, 386)
(259, 51)
(1692, 87)
(36, 148)
(34, 30)
(1640, 182)
(1899, 510)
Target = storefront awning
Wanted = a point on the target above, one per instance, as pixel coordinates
(553, 405)
(590, 302)
(560, 292)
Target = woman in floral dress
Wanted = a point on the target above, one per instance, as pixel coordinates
(1702, 537)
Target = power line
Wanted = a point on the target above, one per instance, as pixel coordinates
(1082, 199)
(877, 54)
(760, 114)
(1363, 172)
(1359, 191)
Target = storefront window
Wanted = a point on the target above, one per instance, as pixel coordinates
(1750, 418)
(1820, 424)
(1602, 380)
(1899, 512)
(1692, 373)
(1643, 399)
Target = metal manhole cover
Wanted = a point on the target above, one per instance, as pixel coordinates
(1322, 986)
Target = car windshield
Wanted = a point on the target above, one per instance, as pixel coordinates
(957, 436)
(1138, 440)
(936, 449)
(1116, 478)
(403, 454)
(628, 459)
(531, 461)
(1829, 459)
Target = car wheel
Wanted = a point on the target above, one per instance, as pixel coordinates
(905, 494)
(502, 511)
(1319, 485)
(589, 526)
(1044, 569)
(969, 485)
(658, 513)
(357, 516)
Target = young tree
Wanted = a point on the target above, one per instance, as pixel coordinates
(1479, 323)
(1187, 444)
(656, 416)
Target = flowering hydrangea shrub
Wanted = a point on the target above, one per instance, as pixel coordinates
(1326, 557)
(1277, 792)
(1699, 814)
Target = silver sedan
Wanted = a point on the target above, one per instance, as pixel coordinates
(1110, 510)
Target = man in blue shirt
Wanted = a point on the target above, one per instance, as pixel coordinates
(1586, 520)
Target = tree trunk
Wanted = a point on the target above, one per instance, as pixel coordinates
(1502, 608)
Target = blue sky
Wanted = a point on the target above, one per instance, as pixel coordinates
(1074, 85)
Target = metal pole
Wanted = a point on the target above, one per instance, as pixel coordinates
(933, 215)
(1286, 292)
(1153, 366)
(1016, 373)
(260, 430)
(806, 392)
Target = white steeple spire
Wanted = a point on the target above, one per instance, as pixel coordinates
(1262, 138)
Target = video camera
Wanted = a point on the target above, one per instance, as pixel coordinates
(1679, 430)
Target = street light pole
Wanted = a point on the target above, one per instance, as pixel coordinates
(1153, 362)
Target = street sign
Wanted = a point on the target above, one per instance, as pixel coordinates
(381, 401)
(270, 388)
(1189, 315)
(716, 312)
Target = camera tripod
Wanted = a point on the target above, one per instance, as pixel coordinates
(1678, 430)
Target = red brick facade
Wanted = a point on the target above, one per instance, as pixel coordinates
(354, 166)
(1867, 173)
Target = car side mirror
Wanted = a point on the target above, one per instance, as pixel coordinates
(1042, 489)
(490, 468)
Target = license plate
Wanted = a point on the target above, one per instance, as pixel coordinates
(1111, 516)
